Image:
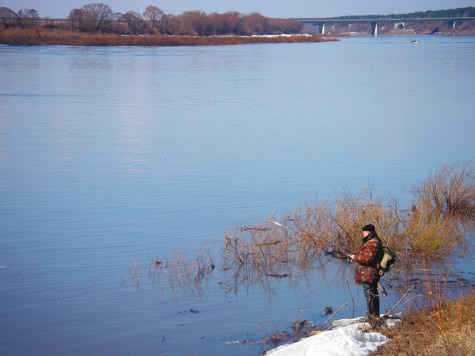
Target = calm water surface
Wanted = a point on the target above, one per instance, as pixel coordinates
(110, 156)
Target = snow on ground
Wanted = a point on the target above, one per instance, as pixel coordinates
(343, 339)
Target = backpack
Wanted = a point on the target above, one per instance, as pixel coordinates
(387, 262)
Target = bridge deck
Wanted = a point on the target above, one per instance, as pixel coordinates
(322, 21)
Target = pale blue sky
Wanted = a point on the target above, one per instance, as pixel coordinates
(270, 8)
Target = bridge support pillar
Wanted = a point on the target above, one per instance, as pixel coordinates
(452, 24)
(321, 28)
(374, 29)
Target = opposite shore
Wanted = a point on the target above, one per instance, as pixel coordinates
(40, 36)
(95, 24)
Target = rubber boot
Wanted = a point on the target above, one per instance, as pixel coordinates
(374, 306)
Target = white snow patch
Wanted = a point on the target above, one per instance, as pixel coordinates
(344, 339)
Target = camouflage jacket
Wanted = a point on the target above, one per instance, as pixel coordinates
(367, 260)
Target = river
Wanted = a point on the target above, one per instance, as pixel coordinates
(113, 157)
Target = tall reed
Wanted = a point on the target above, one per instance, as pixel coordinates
(438, 324)
(435, 225)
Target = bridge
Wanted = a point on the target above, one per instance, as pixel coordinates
(377, 22)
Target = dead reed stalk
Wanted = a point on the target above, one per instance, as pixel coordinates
(437, 326)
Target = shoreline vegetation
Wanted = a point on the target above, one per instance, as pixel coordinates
(441, 327)
(95, 24)
(44, 37)
(436, 228)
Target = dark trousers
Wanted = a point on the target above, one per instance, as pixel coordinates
(372, 298)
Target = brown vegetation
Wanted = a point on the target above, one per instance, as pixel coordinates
(42, 36)
(95, 24)
(437, 326)
(436, 224)
(99, 18)
(441, 213)
(182, 274)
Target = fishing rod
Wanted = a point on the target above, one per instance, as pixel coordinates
(314, 239)
(327, 245)
(380, 286)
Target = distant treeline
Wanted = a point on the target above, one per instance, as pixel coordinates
(430, 14)
(98, 17)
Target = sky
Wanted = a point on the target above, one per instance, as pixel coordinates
(269, 8)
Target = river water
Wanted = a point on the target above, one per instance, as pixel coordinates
(112, 157)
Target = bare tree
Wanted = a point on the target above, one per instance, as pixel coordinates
(91, 17)
(193, 23)
(7, 17)
(118, 23)
(95, 17)
(232, 23)
(77, 19)
(255, 23)
(154, 15)
(169, 24)
(135, 22)
(7, 14)
(27, 17)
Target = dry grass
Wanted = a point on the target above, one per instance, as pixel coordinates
(448, 193)
(42, 36)
(442, 211)
(437, 327)
(181, 273)
(133, 275)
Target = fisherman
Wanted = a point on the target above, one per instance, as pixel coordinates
(366, 271)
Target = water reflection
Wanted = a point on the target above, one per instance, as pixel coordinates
(3, 134)
(198, 276)
(134, 135)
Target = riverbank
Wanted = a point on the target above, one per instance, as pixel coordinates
(345, 337)
(445, 328)
(42, 36)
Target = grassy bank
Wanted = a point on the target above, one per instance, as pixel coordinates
(445, 328)
(42, 36)
(435, 323)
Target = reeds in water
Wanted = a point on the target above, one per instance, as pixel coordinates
(435, 225)
(182, 274)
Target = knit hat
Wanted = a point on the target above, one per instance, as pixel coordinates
(369, 228)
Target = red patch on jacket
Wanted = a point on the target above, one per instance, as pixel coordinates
(367, 261)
